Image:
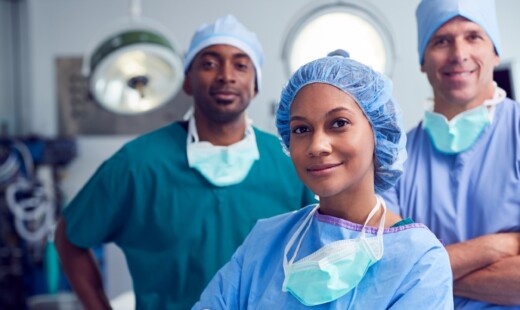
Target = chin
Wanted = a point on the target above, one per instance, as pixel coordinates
(323, 192)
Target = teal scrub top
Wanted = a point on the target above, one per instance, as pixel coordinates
(175, 228)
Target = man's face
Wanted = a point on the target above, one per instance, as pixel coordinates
(221, 80)
(459, 61)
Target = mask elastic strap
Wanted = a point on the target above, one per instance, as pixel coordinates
(306, 224)
(371, 214)
(193, 135)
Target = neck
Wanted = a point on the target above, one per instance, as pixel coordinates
(351, 207)
(451, 108)
(221, 134)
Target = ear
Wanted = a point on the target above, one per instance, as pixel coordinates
(496, 60)
(422, 68)
(186, 85)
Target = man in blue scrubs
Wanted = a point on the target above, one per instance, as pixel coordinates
(462, 176)
(178, 201)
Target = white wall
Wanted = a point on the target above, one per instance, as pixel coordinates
(67, 28)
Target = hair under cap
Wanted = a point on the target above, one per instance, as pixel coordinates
(227, 30)
(431, 14)
(372, 92)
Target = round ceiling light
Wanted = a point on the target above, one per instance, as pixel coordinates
(135, 71)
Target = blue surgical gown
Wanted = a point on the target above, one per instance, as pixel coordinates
(414, 272)
(464, 196)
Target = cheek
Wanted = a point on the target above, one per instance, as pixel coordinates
(297, 157)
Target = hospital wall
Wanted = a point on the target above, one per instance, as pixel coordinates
(60, 28)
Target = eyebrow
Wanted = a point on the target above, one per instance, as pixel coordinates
(219, 55)
(448, 34)
(335, 110)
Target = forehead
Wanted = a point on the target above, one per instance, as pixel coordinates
(223, 51)
(458, 24)
(322, 97)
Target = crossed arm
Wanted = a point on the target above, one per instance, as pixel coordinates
(487, 268)
(81, 270)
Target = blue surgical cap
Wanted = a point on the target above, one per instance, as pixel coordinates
(227, 30)
(431, 14)
(372, 91)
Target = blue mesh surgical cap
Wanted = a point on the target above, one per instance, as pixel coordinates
(227, 30)
(372, 91)
(431, 14)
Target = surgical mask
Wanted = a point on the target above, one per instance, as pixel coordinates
(460, 133)
(222, 165)
(335, 269)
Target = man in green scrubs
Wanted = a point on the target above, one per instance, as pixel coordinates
(178, 201)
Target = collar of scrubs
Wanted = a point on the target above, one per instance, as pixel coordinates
(222, 165)
(302, 230)
(193, 134)
(498, 96)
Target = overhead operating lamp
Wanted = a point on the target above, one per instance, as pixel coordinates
(136, 69)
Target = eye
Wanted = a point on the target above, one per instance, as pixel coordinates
(474, 37)
(241, 66)
(340, 123)
(440, 41)
(209, 64)
(298, 130)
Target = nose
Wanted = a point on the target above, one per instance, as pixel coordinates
(459, 51)
(226, 73)
(320, 144)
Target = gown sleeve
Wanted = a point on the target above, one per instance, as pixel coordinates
(428, 285)
(223, 291)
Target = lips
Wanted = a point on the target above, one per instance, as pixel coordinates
(322, 169)
(458, 73)
(224, 95)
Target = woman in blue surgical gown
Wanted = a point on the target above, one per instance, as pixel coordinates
(343, 131)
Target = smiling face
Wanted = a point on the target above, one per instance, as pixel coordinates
(221, 79)
(332, 142)
(459, 61)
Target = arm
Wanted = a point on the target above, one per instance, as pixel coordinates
(498, 283)
(469, 256)
(81, 270)
(223, 290)
(428, 285)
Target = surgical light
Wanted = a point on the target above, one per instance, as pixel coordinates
(136, 69)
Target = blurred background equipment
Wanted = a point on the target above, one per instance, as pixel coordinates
(135, 69)
(30, 203)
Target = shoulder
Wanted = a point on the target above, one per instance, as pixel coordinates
(282, 223)
(168, 133)
(510, 107)
(159, 142)
(271, 151)
(267, 140)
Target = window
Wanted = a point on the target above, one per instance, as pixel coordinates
(351, 27)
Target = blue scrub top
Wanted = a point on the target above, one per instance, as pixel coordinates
(414, 272)
(467, 195)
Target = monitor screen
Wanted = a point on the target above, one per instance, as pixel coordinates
(506, 77)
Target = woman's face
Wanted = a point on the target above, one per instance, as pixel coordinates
(332, 142)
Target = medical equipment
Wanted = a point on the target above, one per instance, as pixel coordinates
(29, 206)
(136, 69)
